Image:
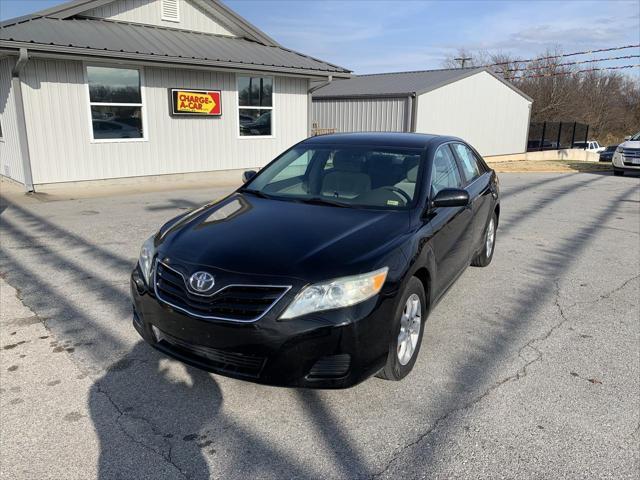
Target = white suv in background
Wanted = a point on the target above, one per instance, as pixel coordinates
(627, 156)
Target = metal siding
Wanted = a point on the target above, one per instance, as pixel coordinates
(360, 115)
(10, 157)
(479, 109)
(148, 12)
(58, 124)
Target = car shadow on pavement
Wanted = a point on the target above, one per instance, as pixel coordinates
(158, 418)
(149, 414)
(154, 417)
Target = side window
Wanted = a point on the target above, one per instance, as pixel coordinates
(470, 166)
(445, 172)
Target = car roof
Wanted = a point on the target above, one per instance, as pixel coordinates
(380, 139)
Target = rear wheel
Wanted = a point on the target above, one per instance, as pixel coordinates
(409, 321)
(486, 254)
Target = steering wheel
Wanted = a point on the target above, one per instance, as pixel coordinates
(399, 191)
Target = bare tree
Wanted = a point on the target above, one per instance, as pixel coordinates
(609, 102)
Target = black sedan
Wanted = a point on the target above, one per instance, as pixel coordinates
(321, 270)
(607, 154)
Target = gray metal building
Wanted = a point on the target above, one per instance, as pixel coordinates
(106, 89)
(473, 104)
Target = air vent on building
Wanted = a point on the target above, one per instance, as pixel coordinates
(171, 10)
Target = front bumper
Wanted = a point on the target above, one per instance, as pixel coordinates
(620, 162)
(332, 349)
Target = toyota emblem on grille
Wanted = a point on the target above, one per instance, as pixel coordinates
(201, 282)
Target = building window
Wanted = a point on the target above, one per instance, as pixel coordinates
(255, 106)
(170, 10)
(115, 100)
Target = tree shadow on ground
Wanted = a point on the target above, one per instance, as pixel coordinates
(484, 353)
(155, 417)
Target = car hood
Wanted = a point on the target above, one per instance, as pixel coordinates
(630, 144)
(250, 235)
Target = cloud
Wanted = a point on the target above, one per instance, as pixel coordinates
(371, 36)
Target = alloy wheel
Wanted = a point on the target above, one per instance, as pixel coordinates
(491, 236)
(409, 329)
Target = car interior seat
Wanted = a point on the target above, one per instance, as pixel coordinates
(346, 179)
(408, 184)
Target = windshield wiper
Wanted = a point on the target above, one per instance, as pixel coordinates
(324, 201)
(257, 193)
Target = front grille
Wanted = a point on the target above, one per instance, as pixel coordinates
(631, 152)
(241, 303)
(332, 366)
(231, 362)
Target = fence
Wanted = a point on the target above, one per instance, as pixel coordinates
(557, 135)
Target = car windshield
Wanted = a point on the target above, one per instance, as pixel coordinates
(636, 137)
(342, 176)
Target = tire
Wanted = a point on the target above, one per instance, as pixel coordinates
(485, 256)
(618, 173)
(399, 360)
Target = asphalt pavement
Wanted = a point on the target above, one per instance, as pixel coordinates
(529, 368)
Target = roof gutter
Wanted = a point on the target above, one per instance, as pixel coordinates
(23, 140)
(76, 53)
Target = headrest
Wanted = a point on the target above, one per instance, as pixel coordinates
(348, 161)
(378, 162)
(412, 174)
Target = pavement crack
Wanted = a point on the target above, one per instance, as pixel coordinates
(608, 294)
(521, 373)
(122, 414)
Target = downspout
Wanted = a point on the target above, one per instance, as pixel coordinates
(414, 112)
(310, 102)
(16, 84)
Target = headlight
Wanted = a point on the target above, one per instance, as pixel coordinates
(145, 260)
(342, 292)
(619, 149)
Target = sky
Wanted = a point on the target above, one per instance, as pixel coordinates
(381, 36)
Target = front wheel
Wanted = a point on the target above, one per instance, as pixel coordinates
(618, 173)
(408, 328)
(486, 254)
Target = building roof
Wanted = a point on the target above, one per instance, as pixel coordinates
(62, 30)
(223, 15)
(400, 84)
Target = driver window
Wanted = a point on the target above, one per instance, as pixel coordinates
(445, 172)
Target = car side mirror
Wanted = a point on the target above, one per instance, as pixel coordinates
(248, 175)
(451, 197)
(627, 138)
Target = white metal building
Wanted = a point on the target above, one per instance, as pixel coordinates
(473, 104)
(103, 89)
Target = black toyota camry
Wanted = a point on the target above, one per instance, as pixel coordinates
(321, 270)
